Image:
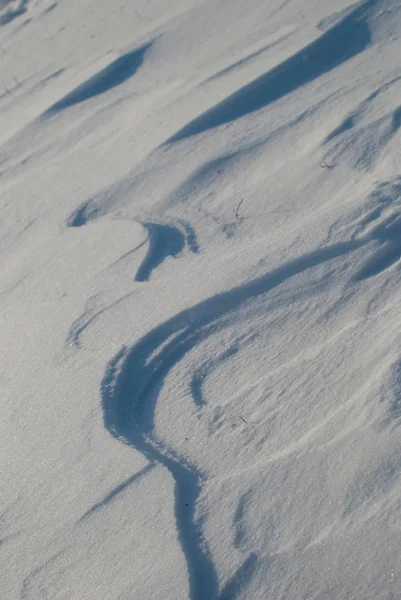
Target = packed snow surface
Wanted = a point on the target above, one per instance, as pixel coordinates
(200, 296)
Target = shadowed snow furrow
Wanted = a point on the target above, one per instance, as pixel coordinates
(117, 394)
(164, 240)
(50, 8)
(113, 75)
(134, 378)
(343, 41)
(239, 519)
(201, 374)
(13, 13)
(88, 211)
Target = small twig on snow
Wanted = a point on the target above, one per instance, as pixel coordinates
(238, 207)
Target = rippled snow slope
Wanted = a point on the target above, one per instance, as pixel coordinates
(200, 294)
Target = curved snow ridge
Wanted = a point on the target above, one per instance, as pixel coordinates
(88, 317)
(165, 240)
(346, 39)
(119, 419)
(116, 73)
(135, 376)
(204, 371)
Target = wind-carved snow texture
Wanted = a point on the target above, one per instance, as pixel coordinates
(382, 225)
(112, 76)
(324, 321)
(388, 235)
(394, 408)
(135, 376)
(352, 119)
(372, 137)
(342, 42)
(165, 240)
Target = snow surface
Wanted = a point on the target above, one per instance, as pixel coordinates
(200, 300)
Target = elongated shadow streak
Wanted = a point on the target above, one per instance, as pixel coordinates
(108, 78)
(135, 376)
(117, 490)
(342, 42)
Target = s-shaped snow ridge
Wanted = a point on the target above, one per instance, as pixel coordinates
(135, 376)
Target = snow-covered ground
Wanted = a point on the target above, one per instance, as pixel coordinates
(200, 300)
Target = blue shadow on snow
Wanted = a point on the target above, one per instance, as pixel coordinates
(108, 78)
(131, 386)
(340, 43)
(164, 240)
